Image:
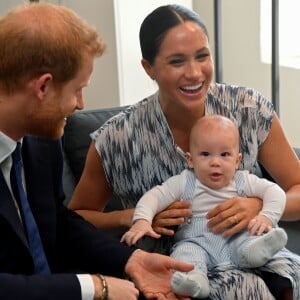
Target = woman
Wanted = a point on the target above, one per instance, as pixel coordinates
(146, 144)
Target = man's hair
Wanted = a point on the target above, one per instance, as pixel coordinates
(40, 38)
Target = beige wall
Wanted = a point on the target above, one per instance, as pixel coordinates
(103, 90)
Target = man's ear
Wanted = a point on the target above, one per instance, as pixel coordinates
(189, 160)
(41, 85)
(148, 68)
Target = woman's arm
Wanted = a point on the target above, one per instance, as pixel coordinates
(281, 162)
(92, 194)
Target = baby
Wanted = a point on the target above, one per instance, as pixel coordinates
(212, 177)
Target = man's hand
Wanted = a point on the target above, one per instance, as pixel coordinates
(173, 215)
(117, 288)
(233, 215)
(152, 274)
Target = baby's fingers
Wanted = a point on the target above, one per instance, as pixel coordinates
(140, 234)
(153, 234)
(130, 237)
(258, 227)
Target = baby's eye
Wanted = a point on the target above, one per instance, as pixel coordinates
(225, 154)
(204, 153)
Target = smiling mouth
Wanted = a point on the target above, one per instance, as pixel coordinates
(192, 88)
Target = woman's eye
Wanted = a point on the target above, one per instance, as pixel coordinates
(176, 61)
(202, 56)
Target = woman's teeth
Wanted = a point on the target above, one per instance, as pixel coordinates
(192, 88)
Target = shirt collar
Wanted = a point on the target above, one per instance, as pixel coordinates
(7, 146)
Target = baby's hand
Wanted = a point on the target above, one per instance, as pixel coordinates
(138, 230)
(259, 225)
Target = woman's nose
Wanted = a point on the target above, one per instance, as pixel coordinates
(193, 70)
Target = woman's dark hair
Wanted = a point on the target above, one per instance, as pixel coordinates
(156, 25)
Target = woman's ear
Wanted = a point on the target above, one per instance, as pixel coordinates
(148, 68)
(41, 85)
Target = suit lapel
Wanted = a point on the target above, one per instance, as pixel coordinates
(9, 212)
(40, 188)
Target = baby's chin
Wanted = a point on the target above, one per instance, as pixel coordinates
(216, 184)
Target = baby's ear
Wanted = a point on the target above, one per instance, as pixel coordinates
(238, 160)
(189, 160)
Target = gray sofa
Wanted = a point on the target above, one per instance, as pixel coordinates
(76, 142)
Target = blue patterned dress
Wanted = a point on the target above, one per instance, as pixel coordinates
(138, 151)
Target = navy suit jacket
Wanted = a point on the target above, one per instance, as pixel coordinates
(70, 243)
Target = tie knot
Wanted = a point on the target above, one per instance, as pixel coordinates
(16, 155)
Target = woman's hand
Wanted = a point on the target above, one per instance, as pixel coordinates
(233, 215)
(173, 215)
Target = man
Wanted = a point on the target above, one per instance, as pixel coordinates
(46, 59)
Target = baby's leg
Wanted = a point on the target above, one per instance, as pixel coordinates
(260, 249)
(194, 284)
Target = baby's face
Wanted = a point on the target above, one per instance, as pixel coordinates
(214, 158)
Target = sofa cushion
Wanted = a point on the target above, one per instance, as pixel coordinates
(77, 135)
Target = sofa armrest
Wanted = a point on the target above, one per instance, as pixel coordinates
(293, 231)
(292, 228)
